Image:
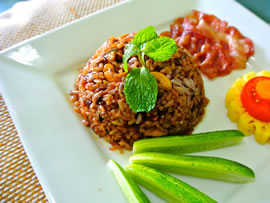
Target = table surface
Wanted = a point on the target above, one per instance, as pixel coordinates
(18, 181)
(260, 7)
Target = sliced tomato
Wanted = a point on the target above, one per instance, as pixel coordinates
(255, 97)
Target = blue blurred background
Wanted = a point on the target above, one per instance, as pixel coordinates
(260, 7)
(6, 4)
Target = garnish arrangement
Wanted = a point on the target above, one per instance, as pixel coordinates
(248, 104)
(152, 160)
(140, 86)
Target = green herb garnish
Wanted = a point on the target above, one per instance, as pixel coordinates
(140, 87)
(160, 49)
(135, 47)
(131, 50)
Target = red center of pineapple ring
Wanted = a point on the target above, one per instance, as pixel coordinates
(255, 97)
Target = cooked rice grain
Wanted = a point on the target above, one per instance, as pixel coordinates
(98, 96)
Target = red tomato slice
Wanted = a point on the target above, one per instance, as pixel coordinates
(255, 97)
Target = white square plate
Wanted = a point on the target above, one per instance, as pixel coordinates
(37, 75)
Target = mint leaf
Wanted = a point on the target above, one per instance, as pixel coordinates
(160, 49)
(130, 50)
(141, 90)
(140, 87)
(144, 35)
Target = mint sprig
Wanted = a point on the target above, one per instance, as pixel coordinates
(141, 89)
(160, 49)
(145, 35)
(140, 86)
(130, 50)
(134, 48)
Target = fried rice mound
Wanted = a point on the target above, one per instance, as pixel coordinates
(98, 95)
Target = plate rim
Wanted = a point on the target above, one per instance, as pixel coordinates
(38, 37)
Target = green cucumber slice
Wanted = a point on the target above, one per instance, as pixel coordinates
(199, 166)
(130, 189)
(190, 143)
(165, 186)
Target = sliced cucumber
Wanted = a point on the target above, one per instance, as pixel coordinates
(165, 186)
(189, 143)
(130, 189)
(199, 166)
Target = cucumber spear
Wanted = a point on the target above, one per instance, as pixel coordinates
(189, 143)
(165, 185)
(199, 166)
(130, 189)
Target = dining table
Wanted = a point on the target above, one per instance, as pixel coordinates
(22, 21)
